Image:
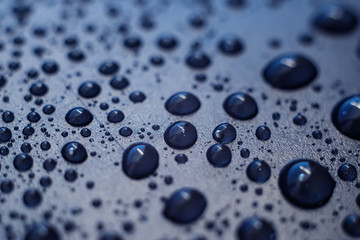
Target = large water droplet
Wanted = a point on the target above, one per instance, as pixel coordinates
(335, 19)
(346, 116)
(306, 183)
(89, 89)
(42, 232)
(5, 134)
(290, 71)
(219, 155)
(23, 162)
(255, 228)
(224, 133)
(182, 103)
(240, 106)
(351, 225)
(180, 135)
(185, 206)
(79, 117)
(140, 160)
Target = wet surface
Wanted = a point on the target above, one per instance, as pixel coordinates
(173, 120)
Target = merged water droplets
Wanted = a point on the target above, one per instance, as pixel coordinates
(306, 183)
(180, 135)
(346, 116)
(240, 106)
(140, 160)
(290, 71)
(185, 206)
(182, 103)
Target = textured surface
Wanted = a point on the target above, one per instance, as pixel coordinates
(266, 29)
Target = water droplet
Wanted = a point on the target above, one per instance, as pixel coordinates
(299, 120)
(115, 116)
(335, 19)
(49, 164)
(255, 228)
(140, 160)
(240, 106)
(109, 67)
(76, 55)
(79, 117)
(263, 133)
(39, 89)
(224, 133)
(89, 89)
(347, 172)
(346, 116)
(180, 135)
(182, 103)
(6, 186)
(48, 109)
(32, 198)
(3, 81)
(244, 153)
(110, 236)
(290, 71)
(219, 155)
(8, 116)
(137, 97)
(230, 45)
(258, 171)
(5, 134)
(33, 117)
(42, 232)
(351, 225)
(181, 158)
(74, 152)
(185, 206)
(23, 162)
(133, 42)
(198, 60)
(125, 131)
(306, 183)
(167, 42)
(70, 175)
(119, 82)
(50, 67)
